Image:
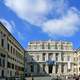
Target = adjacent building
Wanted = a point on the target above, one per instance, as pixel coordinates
(49, 58)
(11, 55)
(77, 62)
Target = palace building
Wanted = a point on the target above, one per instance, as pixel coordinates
(49, 58)
(11, 55)
(41, 58)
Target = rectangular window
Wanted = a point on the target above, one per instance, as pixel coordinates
(8, 65)
(43, 47)
(50, 56)
(68, 58)
(3, 63)
(10, 73)
(57, 56)
(12, 66)
(2, 42)
(56, 46)
(48, 45)
(0, 61)
(44, 56)
(8, 46)
(38, 68)
(2, 73)
(37, 57)
(2, 55)
(62, 56)
(50, 68)
(62, 46)
(11, 49)
(79, 58)
(62, 68)
(56, 69)
(14, 51)
(79, 68)
(43, 67)
(32, 68)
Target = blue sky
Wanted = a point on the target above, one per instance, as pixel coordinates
(31, 20)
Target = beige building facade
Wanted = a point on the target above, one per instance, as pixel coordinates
(77, 62)
(49, 58)
(11, 55)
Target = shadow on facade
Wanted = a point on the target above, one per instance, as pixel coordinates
(33, 68)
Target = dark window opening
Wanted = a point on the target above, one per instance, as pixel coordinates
(43, 47)
(37, 57)
(43, 67)
(3, 63)
(44, 56)
(56, 47)
(12, 66)
(10, 73)
(32, 68)
(8, 65)
(48, 45)
(62, 46)
(2, 73)
(0, 61)
(8, 46)
(62, 56)
(38, 68)
(79, 68)
(2, 42)
(57, 56)
(56, 69)
(50, 56)
(62, 68)
(2, 55)
(14, 50)
(11, 49)
(50, 68)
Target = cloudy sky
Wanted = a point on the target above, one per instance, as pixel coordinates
(31, 20)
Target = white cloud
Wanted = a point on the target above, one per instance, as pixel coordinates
(12, 28)
(30, 10)
(8, 25)
(36, 12)
(66, 26)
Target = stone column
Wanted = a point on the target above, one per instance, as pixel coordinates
(53, 57)
(53, 69)
(65, 69)
(46, 68)
(41, 68)
(59, 69)
(35, 68)
(59, 57)
(46, 56)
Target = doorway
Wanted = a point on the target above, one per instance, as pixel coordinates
(50, 68)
